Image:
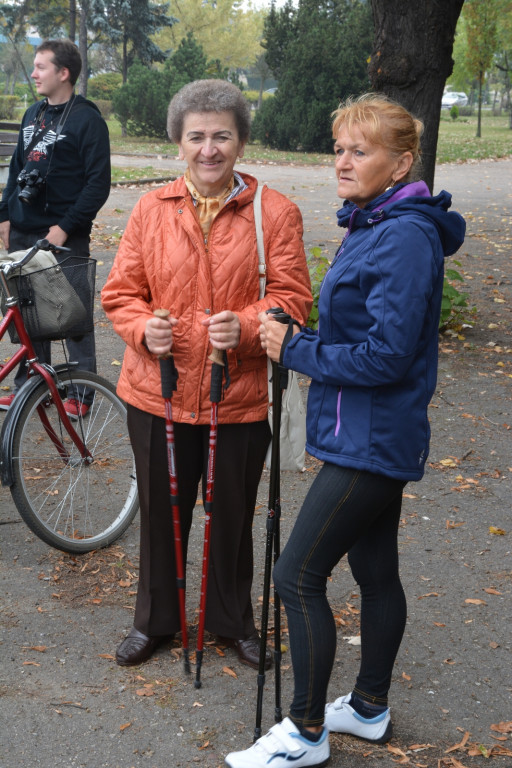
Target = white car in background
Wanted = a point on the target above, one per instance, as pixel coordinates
(451, 97)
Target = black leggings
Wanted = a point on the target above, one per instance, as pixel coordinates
(345, 511)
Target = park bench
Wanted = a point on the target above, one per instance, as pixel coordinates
(9, 131)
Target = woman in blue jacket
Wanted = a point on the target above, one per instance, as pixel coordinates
(373, 368)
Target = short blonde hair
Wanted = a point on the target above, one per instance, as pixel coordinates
(384, 122)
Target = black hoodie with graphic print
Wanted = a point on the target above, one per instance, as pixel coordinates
(72, 154)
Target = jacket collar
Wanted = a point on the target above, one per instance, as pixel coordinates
(178, 189)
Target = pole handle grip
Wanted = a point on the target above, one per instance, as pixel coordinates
(168, 371)
(169, 376)
(279, 314)
(217, 358)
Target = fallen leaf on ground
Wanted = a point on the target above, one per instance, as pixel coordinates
(503, 727)
(448, 462)
(399, 752)
(460, 745)
(229, 671)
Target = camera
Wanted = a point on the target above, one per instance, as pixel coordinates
(30, 184)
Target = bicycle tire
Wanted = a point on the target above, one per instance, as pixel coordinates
(73, 505)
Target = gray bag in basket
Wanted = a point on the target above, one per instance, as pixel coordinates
(49, 304)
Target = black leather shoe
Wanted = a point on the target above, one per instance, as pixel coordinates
(138, 647)
(248, 650)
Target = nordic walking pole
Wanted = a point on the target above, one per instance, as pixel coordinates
(169, 376)
(272, 544)
(217, 358)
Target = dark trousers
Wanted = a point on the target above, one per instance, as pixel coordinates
(345, 511)
(81, 350)
(240, 456)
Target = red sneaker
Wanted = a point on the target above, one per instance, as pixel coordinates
(75, 409)
(5, 402)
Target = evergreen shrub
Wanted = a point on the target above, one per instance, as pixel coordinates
(8, 106)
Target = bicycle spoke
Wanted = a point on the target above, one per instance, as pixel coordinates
(74, 503)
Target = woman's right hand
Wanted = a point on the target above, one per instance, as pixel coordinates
(272, 335)
(158, 335)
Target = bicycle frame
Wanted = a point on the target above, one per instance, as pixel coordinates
(13, 315)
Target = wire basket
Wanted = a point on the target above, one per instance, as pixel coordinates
(57, 302)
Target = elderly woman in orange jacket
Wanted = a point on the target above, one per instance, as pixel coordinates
(190, 247)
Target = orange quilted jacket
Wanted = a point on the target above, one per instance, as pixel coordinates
(163, 262)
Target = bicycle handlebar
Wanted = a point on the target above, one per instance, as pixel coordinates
(40, 245)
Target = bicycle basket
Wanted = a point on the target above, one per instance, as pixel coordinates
(56, 302)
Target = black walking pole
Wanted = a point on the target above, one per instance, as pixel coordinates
(169, 375)
(279, 382)
(218, 364)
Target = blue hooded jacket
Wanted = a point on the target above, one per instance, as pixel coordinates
(373, 361)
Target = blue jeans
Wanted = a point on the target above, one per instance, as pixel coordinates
(345, 511)
(81, 350)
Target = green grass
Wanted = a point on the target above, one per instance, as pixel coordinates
(457, 143)
(130, 173)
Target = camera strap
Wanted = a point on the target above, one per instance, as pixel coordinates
(40, 132)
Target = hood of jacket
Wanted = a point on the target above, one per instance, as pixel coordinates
(408, 198)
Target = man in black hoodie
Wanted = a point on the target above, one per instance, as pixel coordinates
(64, 144)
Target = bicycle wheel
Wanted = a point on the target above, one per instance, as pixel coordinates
(72, 503)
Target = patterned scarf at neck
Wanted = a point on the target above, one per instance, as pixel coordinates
(207, 207)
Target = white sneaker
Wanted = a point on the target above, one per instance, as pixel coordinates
(340, 717)
(283, 746)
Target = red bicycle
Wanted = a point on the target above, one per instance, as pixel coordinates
(73, 482)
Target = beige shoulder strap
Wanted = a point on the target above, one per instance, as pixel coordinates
(259, 240)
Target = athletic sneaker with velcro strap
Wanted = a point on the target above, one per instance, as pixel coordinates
(340, 717)
(282, 747)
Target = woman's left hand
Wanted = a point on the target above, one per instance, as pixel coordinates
(224, 330)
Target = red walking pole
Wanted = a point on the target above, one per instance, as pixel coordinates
(169, 375)
(217, 359)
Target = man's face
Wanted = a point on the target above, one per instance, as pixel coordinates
(49, 80)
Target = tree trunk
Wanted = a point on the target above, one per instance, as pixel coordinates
(479, 121)
(72, 20)
(125, 74)
(260, 95)
(411, 60)
(125, 58)
(82, 45)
